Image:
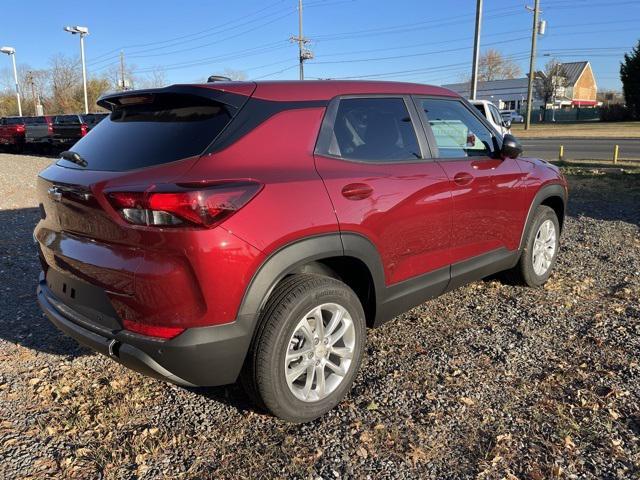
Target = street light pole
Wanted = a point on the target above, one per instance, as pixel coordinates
(84, 74)
(83, 32)
(12, 53)
(476, 52)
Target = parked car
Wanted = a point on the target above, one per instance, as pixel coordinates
(511, 116)
(92, 119)
(38, 130)
(207, 233)
(68, 129)
(492, 114)
(12, 132)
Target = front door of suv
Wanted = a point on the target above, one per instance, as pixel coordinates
(482, 184)
(384, 186)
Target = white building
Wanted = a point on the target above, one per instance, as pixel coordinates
(579, 91)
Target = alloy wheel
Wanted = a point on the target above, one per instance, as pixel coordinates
(320, 352)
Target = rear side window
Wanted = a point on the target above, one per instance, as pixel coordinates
(373, 130)
(480, 108)
(458, 133)
(160, 129)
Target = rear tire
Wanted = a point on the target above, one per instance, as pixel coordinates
(307, 349)
(541, 245)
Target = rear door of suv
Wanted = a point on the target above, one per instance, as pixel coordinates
(376, 165)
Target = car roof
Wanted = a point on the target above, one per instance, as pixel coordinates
(309, 90)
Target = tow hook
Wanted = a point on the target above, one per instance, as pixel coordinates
(113, 348)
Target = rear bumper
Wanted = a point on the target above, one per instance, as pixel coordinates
(203, 356)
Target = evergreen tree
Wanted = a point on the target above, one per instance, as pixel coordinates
(630, 77)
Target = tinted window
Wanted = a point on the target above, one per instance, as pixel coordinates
(169, 128)
(15, 121)
(34, 120)
(373, 129)
(457, 131)
(93, 118)
(67, 120)
(480, 108)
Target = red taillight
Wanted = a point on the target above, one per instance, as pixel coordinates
(157, 331)
(19, 128)
(83, 130)
(204, 207)
(50, 127)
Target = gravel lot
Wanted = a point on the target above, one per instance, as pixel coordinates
(491, 381)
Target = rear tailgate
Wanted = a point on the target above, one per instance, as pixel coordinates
(89, 253)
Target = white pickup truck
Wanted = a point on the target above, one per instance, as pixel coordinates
(491, 112)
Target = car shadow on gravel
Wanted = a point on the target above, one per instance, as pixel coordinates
(21, 321)
(231, 395)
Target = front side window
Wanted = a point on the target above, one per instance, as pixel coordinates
(373, 130)
(458, 133)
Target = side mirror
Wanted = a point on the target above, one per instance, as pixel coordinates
(506, 124)
(511, 147)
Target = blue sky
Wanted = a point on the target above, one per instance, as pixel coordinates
(413, 40)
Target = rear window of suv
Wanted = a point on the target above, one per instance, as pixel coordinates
(67, 120)
(159, 129)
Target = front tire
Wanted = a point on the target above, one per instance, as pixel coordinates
(540, 249)
(308, 348)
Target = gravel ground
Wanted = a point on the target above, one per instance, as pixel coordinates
(491, 381)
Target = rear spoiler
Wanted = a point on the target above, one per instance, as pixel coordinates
(234, 94)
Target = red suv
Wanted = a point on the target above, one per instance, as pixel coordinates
(207, 233)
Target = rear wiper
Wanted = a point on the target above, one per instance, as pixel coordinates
(74, 157)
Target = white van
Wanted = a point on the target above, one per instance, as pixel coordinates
(491, 112)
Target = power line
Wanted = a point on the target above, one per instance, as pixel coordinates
(142, 45)
(213, 31)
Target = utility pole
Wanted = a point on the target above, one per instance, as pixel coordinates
(122, 81)
(476, 53)
(532, 63)
(35, 98)
(303, 53)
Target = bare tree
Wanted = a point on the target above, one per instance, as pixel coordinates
(235, 74)
(550, 83)
(155, 78)
(114, 75)
(65, 80)
(494, 66)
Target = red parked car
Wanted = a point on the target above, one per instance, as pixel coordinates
(12, 132)
(207, 233)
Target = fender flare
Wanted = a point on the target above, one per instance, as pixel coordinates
(292, 256)
(549, 190)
